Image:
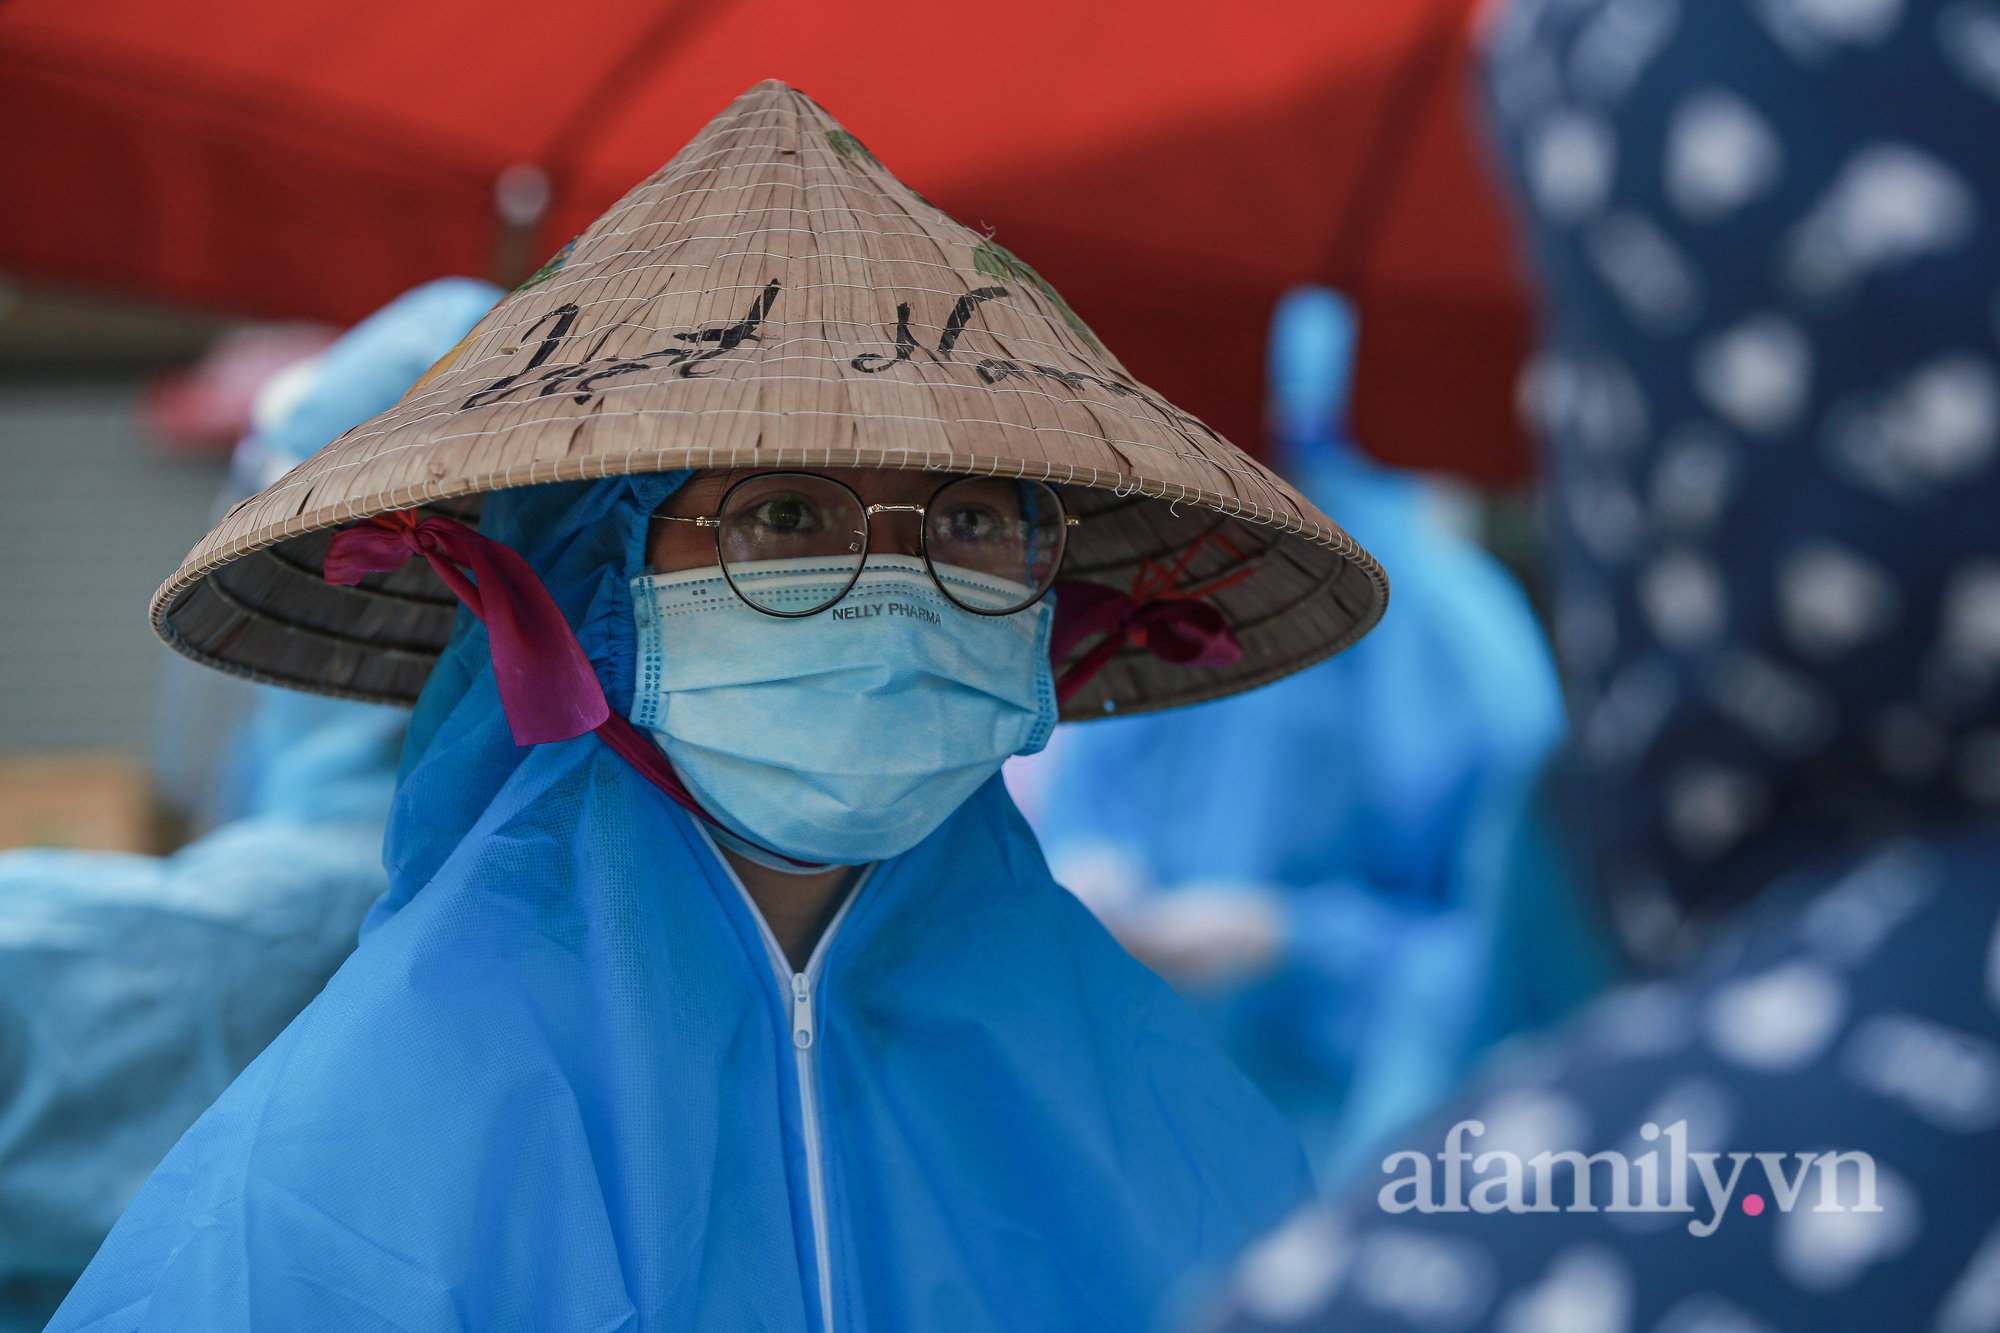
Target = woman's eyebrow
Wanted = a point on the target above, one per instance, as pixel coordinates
(704, 491)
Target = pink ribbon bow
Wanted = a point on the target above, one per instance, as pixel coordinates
(547, 684)
(548, 688)
(1186, 633)
(1164, 617)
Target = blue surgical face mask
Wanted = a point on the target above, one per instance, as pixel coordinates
(845, 736)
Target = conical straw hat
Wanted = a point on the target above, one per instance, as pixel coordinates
(773, 297)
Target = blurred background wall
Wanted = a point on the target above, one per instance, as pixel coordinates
(92, 513)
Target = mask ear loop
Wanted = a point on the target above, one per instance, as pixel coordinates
(548, 688)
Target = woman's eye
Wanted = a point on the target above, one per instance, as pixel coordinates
(968, 524)
(787, 517)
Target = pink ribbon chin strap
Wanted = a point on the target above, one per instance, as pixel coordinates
(547, 686)
(550, 692)
(1162, 613)
(1184, 632)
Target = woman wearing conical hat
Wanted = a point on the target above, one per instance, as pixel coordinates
(719, 985)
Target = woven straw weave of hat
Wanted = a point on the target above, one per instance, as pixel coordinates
(773, 297)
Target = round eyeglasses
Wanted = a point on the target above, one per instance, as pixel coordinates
(793, 543)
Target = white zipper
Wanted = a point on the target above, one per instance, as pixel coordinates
(799, 987)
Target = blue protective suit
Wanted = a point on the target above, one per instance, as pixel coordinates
(557, 1086)
(1382, 798)
(134, 988)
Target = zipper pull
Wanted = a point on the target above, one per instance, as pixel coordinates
(802, 1011)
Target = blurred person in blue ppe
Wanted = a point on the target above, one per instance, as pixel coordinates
(134, 988)
(1769, 242)
(1332, 865)
(719, 985)
(205, 764)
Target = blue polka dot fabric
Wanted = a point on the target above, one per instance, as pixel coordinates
(1800, 1132)
(1770, 398)
(1768, 237)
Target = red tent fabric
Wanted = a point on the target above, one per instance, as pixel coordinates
(1171, 172)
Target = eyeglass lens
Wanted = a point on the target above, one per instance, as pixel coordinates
(993, 545)
(792, 543)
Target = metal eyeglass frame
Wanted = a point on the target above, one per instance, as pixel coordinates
(868, 512)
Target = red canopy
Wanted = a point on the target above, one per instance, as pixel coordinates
(1172, 173)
